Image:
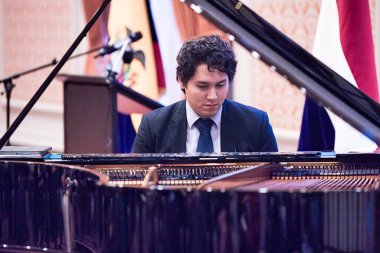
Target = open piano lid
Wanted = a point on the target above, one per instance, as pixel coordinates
(293, 63)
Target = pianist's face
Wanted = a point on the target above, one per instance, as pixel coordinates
(206, 90)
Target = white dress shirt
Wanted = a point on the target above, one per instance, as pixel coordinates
(193, 132)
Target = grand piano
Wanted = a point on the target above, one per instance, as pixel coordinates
(227, 202)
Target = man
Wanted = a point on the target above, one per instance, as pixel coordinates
(206, 121)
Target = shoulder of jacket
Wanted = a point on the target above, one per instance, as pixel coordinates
(164, 111)
(233, 105)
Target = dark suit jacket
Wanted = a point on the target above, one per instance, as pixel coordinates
(243, 129)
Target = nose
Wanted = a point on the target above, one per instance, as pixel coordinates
(211, 94)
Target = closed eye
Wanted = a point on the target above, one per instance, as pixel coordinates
(202, 85)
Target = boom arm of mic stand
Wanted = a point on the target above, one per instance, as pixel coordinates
(14, 76)
(51, 76)
(52, 63)
(149, 103)
(9, 85)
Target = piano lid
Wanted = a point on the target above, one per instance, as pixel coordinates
(293, 63)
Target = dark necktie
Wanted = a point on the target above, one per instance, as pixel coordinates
(205, 141)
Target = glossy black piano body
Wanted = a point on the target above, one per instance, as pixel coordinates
(35, 205)
(135, 220)
(101, 217)
(42, 210)
(339, 218)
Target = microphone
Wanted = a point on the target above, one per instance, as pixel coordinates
(135, 37)
(109, 49)
(126, 47)
(118, 45)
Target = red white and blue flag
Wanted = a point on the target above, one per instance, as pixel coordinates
(343, 41)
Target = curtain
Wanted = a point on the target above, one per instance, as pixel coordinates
(191, 24)
(97, 36)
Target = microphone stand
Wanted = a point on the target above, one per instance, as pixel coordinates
(126, 91)
(9, 85)
(50, 77)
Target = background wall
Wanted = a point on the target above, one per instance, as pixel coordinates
(257, 85)
(35, 32)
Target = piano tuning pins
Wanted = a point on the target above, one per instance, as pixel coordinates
(196, 8)
(255, 55)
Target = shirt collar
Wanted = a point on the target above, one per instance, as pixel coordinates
(192, 116)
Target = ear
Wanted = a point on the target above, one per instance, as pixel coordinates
(182, 86)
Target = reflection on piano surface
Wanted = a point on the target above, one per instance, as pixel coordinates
(233, 202)
(295, 204)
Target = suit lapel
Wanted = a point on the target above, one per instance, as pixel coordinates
(228, 135)
(229, 128)
(178, 129)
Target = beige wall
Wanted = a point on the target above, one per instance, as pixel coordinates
(258, 86)
(2, 114)
(34, 33)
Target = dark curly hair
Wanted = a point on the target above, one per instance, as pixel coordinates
(210, 50)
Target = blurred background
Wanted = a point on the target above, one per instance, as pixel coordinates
(35, 32)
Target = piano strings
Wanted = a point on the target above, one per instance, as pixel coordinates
(294, 176)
